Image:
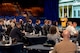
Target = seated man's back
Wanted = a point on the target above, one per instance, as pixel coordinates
(65, 46)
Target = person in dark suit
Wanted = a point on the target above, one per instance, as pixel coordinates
(9, 28)
(45, 28)
(16, 33)
(28, 26)
(1, 29)
(22, 24)
(37, 27)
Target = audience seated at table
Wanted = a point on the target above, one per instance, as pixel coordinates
(65, 46)
(1, 29)
(53, 35)
(50, 22)
(45, 28)
(13, 22)
(72, 29)
(37, 27)
(69, 23)
(28, 26)
(16, 33)
(9, 28)
(55, 23)
(22, 24)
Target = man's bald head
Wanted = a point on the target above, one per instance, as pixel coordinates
(66, 33)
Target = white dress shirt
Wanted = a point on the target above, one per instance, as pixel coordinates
(71, 29)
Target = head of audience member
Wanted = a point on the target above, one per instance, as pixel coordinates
(18, 25)
(14, 20)
(1, 22)
(20, 21)
(49, 22)
(55, 23)
(46, 22)
(38, 21)
(29, 21)
(53, 30)
(69, 23)
(66, 34)
(4, 19)
(74, 24)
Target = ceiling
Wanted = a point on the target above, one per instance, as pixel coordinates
(27, 3)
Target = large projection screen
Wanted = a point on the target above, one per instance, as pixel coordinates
(69, 8)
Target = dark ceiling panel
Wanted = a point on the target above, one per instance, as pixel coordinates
(29, 3)
(26, 3)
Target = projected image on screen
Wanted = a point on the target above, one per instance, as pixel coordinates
(69, 8)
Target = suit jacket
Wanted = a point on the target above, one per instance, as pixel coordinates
(37, 29)
(1, 30)
(45, 29)
(16, 33)
(8, 30)
(28, 28)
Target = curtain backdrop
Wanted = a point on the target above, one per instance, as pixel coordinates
(51, 9)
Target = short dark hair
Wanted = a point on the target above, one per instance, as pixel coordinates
(54, 23)
(37, 21)
(53, 30)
